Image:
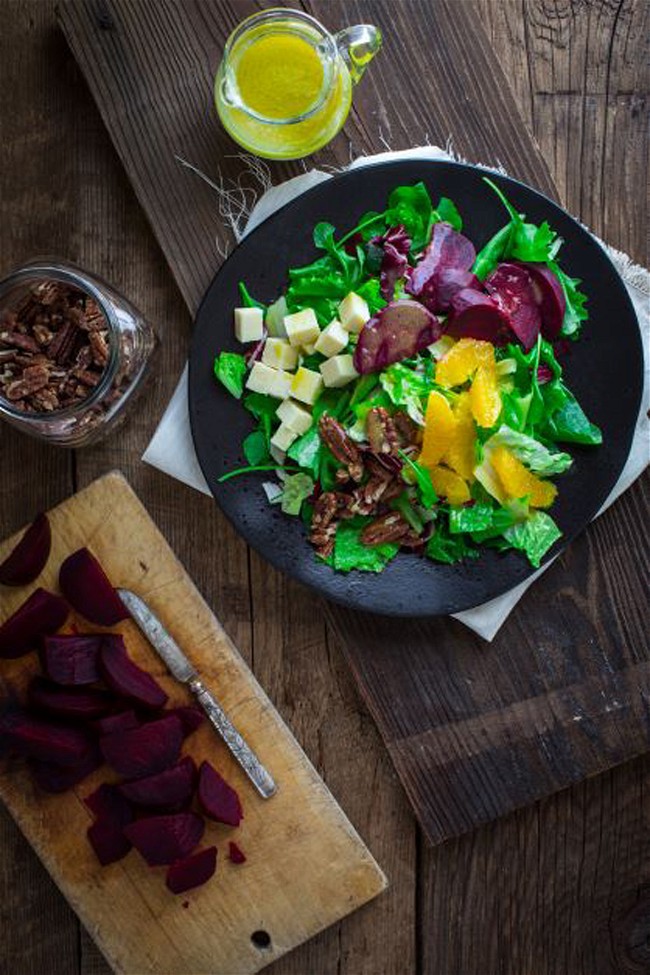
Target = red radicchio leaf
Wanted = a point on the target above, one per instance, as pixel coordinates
(41, 613)
(164, 839)
(71, 658)
(193, 871)
(396, 244)
(544, 374)
(218, 799)
(255, 353)
(28, 558)
(398, 331)
(88, 590)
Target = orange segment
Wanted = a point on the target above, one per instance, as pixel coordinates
(461, 454)
(449, 485)
(462, 361)
(484, 397)
(439, 429)
(518, 482)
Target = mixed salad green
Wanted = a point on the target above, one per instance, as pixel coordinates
(407, 391)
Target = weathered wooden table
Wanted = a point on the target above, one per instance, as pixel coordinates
(561, 888)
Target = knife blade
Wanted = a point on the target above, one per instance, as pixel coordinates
(181, 668)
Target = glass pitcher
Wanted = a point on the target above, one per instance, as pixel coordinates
(284, 85)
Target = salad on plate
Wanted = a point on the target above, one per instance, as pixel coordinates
(407, 391)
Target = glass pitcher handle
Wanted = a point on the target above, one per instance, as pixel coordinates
(358, 46)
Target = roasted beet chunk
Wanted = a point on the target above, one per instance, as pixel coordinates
(87, 588)
(124, 721)
(125, 677)
(218, 799)
(28, 558)
(145, 750)
(110, 844)
(106, 835)
(511, 288)
(174, 786)
(193, 871)
(443, 269)
(550, 298)
(72, 658)
(41, 613)
(475, 315)
(190, 717)
(80, 703)
(164, 839)
(107, 802)
(398, 331)
(34, 737)
(57, 778)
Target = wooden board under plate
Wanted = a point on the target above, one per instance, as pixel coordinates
(306, 865)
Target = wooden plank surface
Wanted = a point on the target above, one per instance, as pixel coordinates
(556, 889)
(471, 739)
(306, 868)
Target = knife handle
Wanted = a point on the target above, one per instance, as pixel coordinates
(247, 758)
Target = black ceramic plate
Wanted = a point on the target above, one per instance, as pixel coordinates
(604, 369)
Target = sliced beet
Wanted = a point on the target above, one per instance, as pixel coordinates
(190, 717)
(72, 658)
(125, 677)
(398, 331)
(35, 737)
(511, 288)
(108, 841)
(57, 778)
(146, 750)
(27, 559)
(40, 614)
(88, 589)
(193, 871)
(550, 298)
(123, 721)
(164, 839)
(443, 268)
(171, 787)
(81, 703)
(107, 802)
(218, 799)
(235, 854)
(475, 315)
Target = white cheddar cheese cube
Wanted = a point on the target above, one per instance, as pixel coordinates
(306, 385)
(283, 437)
(353, 312)
(296, 417)
(332, 339)
(338, 371)
(279, 354)
(302, 327)
(308, 349)
(273, 382)
(249, 324)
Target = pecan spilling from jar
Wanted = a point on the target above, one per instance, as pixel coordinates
(341, 445)
(54, 348)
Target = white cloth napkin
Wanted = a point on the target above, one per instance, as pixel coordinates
(172, 450)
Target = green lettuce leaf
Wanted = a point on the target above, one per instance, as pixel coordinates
(443, 547)
(530, 452)
(306, 450)
(296, 489)
(534, 536)
(230, 369)
(350, 552)
(476, 518)
(406, 388)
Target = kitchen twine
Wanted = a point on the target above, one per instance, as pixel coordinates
(243, 208)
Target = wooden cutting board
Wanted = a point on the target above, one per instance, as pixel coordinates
(475, 730)
(306, 865)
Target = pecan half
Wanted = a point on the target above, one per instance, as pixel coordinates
(99, 347)
(390, 527)
(381, 431)
(343, 448)
(16, 340)
(32, 379)
(63, 346)
(407, 430)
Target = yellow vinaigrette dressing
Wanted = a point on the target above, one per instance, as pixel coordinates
(283, 89)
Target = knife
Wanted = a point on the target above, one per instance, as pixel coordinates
(180, 667)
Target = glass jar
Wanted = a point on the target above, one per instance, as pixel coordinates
(73, 353)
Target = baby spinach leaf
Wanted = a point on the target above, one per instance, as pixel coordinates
(569, 424)
(411, 207)
(256, 447)
(447, 212)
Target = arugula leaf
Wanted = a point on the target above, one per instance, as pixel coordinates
(407, 388)
(296, 489)
(411, 207)
(256, 448)
(575, 313)
(246, 299)
(324, 236)
(230, 369)
(534, 536)
(492, 252)
(447, 212)
(442, 547)
(426, 492)
(350, 552)
(530, 452)
(476, 518)
(526, 241)
(306, 450)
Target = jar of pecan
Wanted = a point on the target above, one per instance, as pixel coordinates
(73, 352)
